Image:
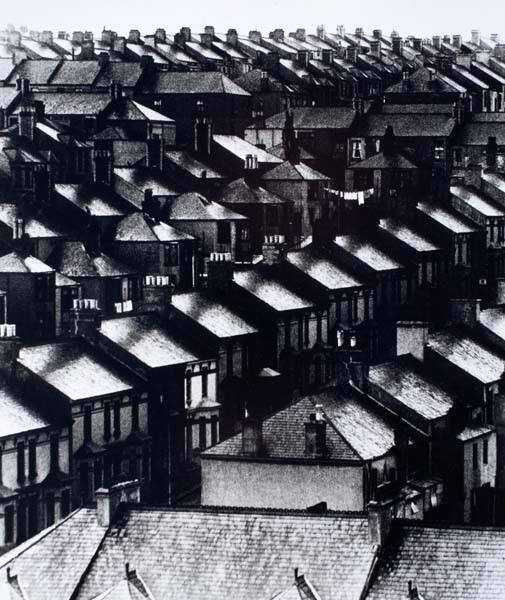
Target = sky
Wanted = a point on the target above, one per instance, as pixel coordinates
(424, 18)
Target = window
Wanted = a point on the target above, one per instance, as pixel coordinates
(106, 421)
(21, 462)
(54, 451)
(356, 152)
(205, 381)
(9, 524)
(42, 287)
(439, 150)
(49, 508)
(32, 459)
(475, 455)
(65, 503)
(188, 387)
(135, 413)
(87, 423)
(223, 232)
(171, 255)
(117, 419)
(485, 451)
(97, 474)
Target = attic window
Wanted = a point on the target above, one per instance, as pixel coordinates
(356, 152)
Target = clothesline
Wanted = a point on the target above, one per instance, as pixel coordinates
(360, 196)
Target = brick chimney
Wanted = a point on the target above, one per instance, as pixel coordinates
(303, 58)
(134, 36)
(86, 316)
(274, 249)
(417, 44)
(277, 35)
(103, 59)
(219, 271)
(206, 40)
(299, 34)
(116, 91)
(23, 85)
(397, 45)
(10, 345)
(27, 120)
(315, 434)
(436, 42)
(87, 50)
(352, 54)
(456, 41)
(340, 31)
(255, 36)
(321, 32)
(154, 152)
(46, 37)
(411, 338)
(203, 130)
(251, 171)
(186, 33)
(359, 32)
(102, 162)
(476, 37)
(232, 37)
(157, 294)
(119, 45)
(109, 500)
(160, 35)
(377, 34)
(252, 436)
(327, 56)
(77, 37)
(375, 48)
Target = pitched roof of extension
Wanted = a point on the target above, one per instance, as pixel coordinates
(355, 431)
(75, 370)
(195, 83)
(446, 563)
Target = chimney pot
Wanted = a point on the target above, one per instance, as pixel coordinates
(108, 500)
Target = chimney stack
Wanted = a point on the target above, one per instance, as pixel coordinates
(456, 41)
(377, 34)
(160, 35)
(232, 37)
(27, 120)
(303, 58)
(219, 271)
(86, 316)
(380, 517)
(476, 37)
(375, 48)
(436, 42)
(203, 130)
(464, 311)
(251, 171)
(252, 436)
(321, 32)
(411, 338)
(109, 500)
(255, 36)
(397, 45)
(10, 345)
(315, 434)
(495, 38)
(274, 250)
(352, 54)
(157, 294)
(116, 91)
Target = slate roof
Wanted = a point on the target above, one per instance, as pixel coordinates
(71, 103)
(100, 201)
(284, 437)
(478, 133)
(407, 125)
(334, 117)
(76, 72)
(6, 68)
(145, 338)
(252, 82)
(17, 416)
(280, 152)
(447, 217)
(215, 554)
(385, 161)
(477, 200)
(7, 96)
(367, 252)
(34, 227)
(405, 380)
(323, 269)
(496, 180)
(465, 352)
(442, 108)
(73, 260)
(271, 291)
(472, 433)
(144, 179)
(212, 314)
(407, 235)
(444, 563)
(75, 370)
(37, 71)
(241, 148)
(420, 82)
(130, 110)
(46, 557)
(14, 262)
(127, 74)
(289, 171)
(190, 164)
(194, 83)
(192, 206)
(138, 227)
(240, 192)
(494, 320)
